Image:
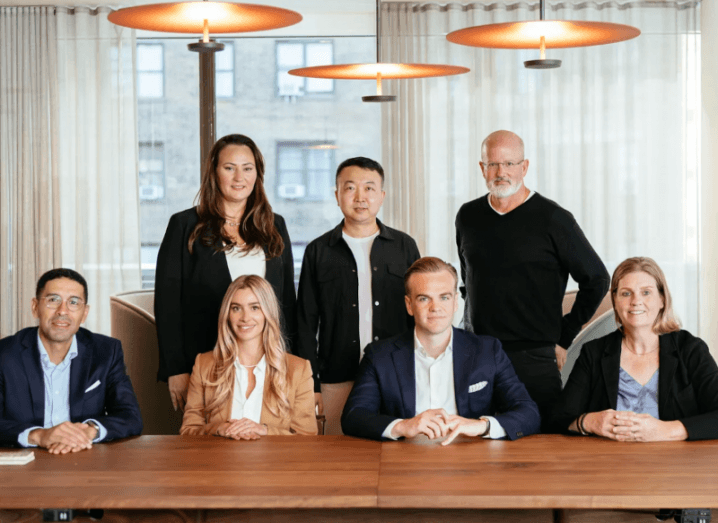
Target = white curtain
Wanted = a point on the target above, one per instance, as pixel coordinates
(613, 135)
(68, 157)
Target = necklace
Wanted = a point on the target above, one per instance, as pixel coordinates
(247, 366)
(231, 224)
(625, 344)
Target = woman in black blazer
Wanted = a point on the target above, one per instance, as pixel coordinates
(620, 369)
(232, 229)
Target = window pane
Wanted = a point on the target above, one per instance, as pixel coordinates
(150, 85)
(149, 57)
(290, 55)
(290, 157)
(224, 60)
(319, 85)
(224, 84)
(320, 54)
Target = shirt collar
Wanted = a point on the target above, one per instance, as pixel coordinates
(45, 357)
(419, 349)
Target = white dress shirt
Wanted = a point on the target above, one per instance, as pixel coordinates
(242, 406)
(435, 386)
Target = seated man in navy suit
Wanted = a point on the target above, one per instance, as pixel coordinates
(62, 387)
(437, 380)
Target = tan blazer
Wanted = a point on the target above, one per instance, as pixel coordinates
(300, 392)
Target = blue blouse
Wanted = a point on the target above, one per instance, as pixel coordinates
(632, 396)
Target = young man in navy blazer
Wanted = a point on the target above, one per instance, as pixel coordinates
(437, 380)
(64, 388)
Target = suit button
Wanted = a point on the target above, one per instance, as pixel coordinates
(354, 270)
(375, 268)
(354, 304)
(376, 338)
(354, 341)
(376, 303)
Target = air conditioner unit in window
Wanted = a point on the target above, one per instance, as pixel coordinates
(292, 191)
(151, 192)
(289, 86)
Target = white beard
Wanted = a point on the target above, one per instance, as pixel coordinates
(503, 191)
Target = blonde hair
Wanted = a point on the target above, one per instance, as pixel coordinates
(226, 350)
(666, 320)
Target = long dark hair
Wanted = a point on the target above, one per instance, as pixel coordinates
(257, 226)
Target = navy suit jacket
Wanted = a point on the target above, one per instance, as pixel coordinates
(385, 388)
(22, 386)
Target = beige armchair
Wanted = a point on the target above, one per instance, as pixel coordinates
(133, 323)
(570, 297)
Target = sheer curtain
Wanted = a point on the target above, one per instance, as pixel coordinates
(613, 135)
(68, 160)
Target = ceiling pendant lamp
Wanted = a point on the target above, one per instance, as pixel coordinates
(379, 70)
(204, 18)
(543, 34)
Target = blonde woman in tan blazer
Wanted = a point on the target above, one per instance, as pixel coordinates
(248, 386)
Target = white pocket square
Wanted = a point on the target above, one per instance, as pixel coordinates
(477, 386)
(97, 384)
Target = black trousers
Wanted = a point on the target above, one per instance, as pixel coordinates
(538, 370)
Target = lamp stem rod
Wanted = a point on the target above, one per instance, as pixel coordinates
(378, 31)
(542, 11)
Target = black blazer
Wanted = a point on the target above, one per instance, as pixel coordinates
(99, 358)
(385, 388)
(687, 383)
(189, 289)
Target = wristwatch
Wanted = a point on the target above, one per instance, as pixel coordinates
(488, 427)
(95, 426)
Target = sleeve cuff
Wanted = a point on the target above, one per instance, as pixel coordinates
(387, 431)
(23, 436)
(102, 432)
(496, 431)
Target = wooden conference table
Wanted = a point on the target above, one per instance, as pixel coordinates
(334, 478)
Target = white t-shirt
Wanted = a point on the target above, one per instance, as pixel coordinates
(241, 263)
(361, 249)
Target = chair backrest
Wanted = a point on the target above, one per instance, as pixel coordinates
(133, 323)
(604, 324)
(570, 297)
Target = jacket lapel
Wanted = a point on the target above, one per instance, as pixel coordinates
(79, 374)
(403, 358)
(610, 363)
(462, 368)
(33, 371)
(667, 365)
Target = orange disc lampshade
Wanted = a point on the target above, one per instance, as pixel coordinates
(557, 34)
(189, 17)
(370, 71)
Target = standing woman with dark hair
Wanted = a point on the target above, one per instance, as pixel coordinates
(231, 232)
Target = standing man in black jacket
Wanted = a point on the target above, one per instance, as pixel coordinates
(517, 250)
(351, 289)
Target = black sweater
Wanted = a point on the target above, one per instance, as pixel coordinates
(515, 269)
